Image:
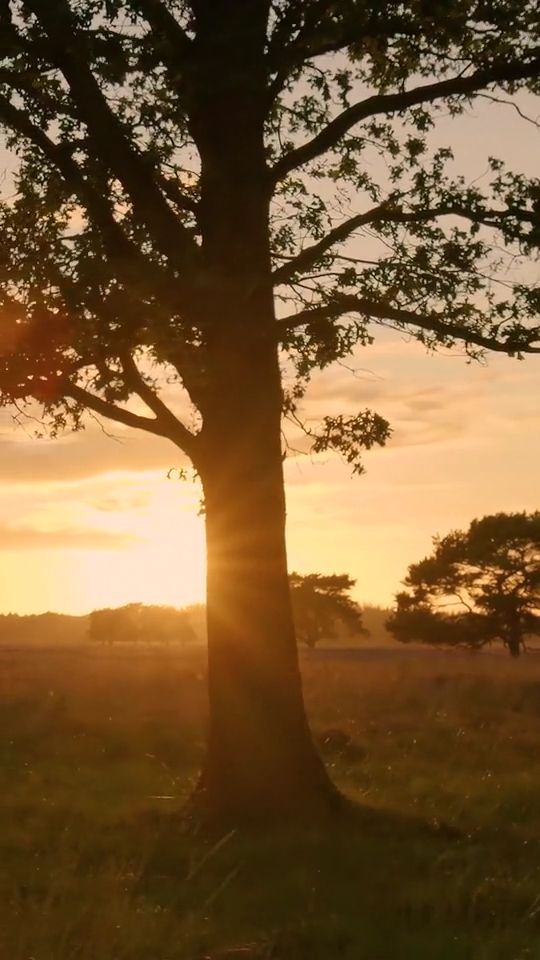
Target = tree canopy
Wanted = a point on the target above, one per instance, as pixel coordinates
(107, 107)
(322, 607)
(480, 585)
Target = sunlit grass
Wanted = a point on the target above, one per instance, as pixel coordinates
(99, 749)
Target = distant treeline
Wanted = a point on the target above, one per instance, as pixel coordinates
(137, 623)
(46, 629)
(144, 624)
(154, 624)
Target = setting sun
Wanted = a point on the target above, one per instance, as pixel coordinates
(116, 539)
(165, 565)
(165, 561)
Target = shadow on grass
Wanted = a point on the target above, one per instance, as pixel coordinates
(373, 885)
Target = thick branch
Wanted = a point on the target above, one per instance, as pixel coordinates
(109, 410)
(131, 266)
(112, 412)
(432, 322)
(30, 82)
(165, 27)
(389, 213)
(8, 35)
(95, 204)
(107, 133)
(395, 102)
(176, 430)
(315, 32)
(176, 195)
(304, 260)
(171, 43)
(296, 22)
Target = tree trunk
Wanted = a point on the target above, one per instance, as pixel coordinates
(261, 760)
(514, 643)
(514, 633)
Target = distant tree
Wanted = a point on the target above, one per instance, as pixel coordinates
(136, 623)
(374, 619)
(479, 585)
(97, 630)
(115, 624)
(322, 607)
(162, 624)
(220, 198)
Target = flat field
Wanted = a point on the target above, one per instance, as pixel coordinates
(100, 748)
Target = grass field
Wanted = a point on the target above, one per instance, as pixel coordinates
(99, 749)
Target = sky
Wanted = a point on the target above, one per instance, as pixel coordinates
(94, 519)
(89, 521)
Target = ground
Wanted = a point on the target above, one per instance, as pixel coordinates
(99, 749)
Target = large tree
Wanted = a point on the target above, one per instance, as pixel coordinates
(479, 585)
(217, 193)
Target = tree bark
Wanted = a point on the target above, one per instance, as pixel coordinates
(261, 761)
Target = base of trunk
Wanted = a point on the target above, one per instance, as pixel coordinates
(265, 795)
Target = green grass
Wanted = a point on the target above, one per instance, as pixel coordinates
(442, 862)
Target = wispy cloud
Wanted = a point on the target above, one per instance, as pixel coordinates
(23, 537)
(90, 454)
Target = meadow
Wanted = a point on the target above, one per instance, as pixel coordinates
(99, 749)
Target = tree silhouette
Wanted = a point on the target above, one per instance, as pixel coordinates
(480, 585)
(205, 189)
(115, 624)
(136, 623)
(322, 607)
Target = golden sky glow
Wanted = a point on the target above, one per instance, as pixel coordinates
(89, 521)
